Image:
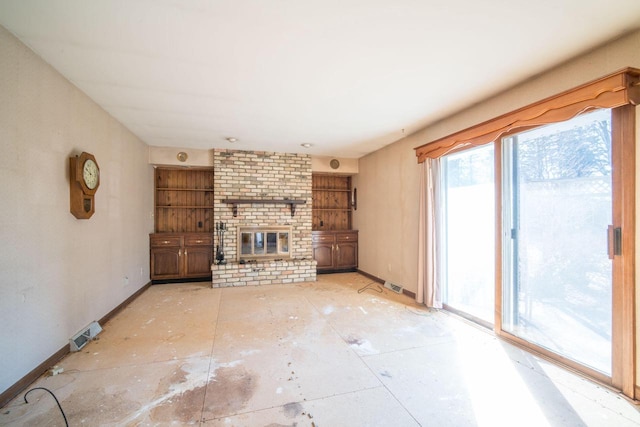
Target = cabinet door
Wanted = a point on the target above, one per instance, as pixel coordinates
(197, 261)
(347, 255)
(323, 254)
(165, 263)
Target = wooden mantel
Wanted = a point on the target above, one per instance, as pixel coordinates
(235, 202)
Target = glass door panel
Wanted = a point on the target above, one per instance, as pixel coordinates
(557, 277)
(469, 232)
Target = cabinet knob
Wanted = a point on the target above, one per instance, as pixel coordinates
(165, 241)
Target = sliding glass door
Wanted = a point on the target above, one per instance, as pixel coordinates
(563, 210)
(468, 230)
(557, 208)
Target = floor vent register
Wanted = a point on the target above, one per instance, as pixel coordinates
(395, 288)
(85, 335)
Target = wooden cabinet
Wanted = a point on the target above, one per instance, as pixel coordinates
(335, 250)
(181, 255)
(347, 250)
(323, 245)
(198, 255)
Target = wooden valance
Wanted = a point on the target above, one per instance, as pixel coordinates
(614, 90)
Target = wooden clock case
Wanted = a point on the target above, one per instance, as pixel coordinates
(81, 198)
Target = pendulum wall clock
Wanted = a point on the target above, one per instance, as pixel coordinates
(84, 179)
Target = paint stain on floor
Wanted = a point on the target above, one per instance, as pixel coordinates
(363, 346)
(184, 406)
(230, 390)
(292, 410)
(354, 341)
(282, 425)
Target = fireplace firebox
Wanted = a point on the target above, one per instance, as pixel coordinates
(264, 243)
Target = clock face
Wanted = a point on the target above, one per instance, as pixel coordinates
(90, 174)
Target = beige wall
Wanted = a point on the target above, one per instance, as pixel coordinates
(387, 215)
(167, 156)
(58, 273)
(322, 164)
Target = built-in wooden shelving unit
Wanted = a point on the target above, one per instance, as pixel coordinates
(182, 245)
(184, 200)
(331, 202)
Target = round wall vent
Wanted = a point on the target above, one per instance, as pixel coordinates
(334, 163)
(182, 156)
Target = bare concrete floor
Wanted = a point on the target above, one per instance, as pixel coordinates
(313, 354)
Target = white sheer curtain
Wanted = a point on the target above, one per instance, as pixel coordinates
(429, 292)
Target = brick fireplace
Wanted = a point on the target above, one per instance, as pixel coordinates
(263, 176)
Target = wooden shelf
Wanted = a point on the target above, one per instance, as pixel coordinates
(185, 189)
(183, 207)
(338, 190)
(235, 202)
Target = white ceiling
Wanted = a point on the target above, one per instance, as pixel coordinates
(344, 75)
